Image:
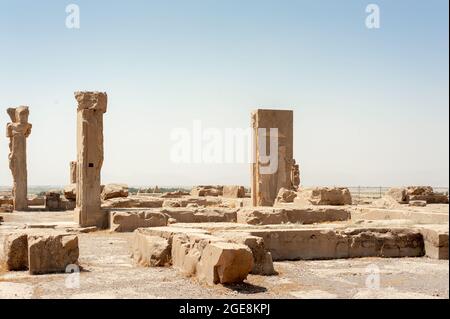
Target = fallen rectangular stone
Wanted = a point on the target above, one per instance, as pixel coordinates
(150, 251)
(329, 243)
(307, 215)
(420, 217)
(435, 240)
(233, 191)
(128, 221)
(51, 253)
(14, 251)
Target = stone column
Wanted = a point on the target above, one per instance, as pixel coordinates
(273, 166)
(91, 106)
(73, 172)
(17, 131)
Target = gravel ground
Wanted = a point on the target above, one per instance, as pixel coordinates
(108, 272)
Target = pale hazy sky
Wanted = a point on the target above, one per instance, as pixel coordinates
(371, 106)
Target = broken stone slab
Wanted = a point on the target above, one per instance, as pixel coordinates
(435, 240)
(430, 198)
(224, 263)
(419, 217)
(200, 215)
(70, 191)
(6, 208)
(210, 259)
(330, 243)
(67, 204)
(114, 190)
(35, 200)
(285, 196)
(417, 203)
(324, 196)
(175, 194)
(14, 251)
(133, 202)
(51, 253)
(262, 216)
(207, 190)
(306, 215)
(123, 221)
(171, 203)
(150, 251)
(52, 200)
(398, 194)
(262, 258)
(192, 254)
(233, 191)
(419, 190)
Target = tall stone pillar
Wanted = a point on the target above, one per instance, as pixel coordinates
(17, 131)
(73, 172)
(273, 155)
(91, 106)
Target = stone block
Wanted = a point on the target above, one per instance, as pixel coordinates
(51, 253)
(224, 263)
(233, 191)
(114, 191)
(14, 251)
(150, 251)
(122, 221)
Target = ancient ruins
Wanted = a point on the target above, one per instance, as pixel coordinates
(213, 234)
(91, 106)
(18, 131)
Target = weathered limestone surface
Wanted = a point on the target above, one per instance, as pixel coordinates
(262, 258)
(195, 253)
(36, 200)
(114, 191)
(417, 193)
(129, 221)
(418, 203)
(267, 182)
(14, 251)
(436, 240)
(73, 172)
(306, 215)
(151, 251)
(224, 263)
(51, 253)
(175, 194)
(18, 131)
(52, 201)
(285, 196)
(324, 196)
(91, 106)
(207, 190)
(422, 217)
(133, 201)
(39, 252)
(233, 191)
(419, 190)
(430, 198)
(70, 191)
(329, 243)
(399, 194)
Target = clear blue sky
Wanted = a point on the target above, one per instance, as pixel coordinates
(371, 107)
